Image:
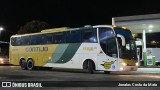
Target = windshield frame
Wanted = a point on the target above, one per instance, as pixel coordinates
(107, 41)
(129, 51)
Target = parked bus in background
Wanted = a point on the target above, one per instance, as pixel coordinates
(95, 48)
(4, 52)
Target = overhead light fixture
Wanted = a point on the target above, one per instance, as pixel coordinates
(150, 26)
(150, 30)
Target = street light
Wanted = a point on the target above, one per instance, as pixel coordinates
(1, 29)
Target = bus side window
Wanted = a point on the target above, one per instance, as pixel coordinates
(18, 41)
(25, 40)
(73, 37)
(59, 38)
(13, 41)
(68, 37)
(49, 38)
(35, 39)
(77, 36)
(43, 39)
(89, 35)
(46, 38)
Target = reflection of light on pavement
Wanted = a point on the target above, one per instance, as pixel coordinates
(13, 67)
(140, 76)
(151, 76)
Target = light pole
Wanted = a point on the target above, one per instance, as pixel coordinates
(1, 29)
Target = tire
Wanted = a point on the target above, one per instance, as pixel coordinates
(30, 64)
(23, 64)
(107, 72)
(90, 67)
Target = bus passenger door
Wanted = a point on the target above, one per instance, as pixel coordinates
(108, 58)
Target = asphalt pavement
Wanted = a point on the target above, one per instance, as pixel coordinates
(64, 77)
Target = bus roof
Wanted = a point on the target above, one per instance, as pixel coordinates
(56, 29)
(46, 31)
(61, 29)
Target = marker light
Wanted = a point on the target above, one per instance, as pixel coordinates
(137, 64)
(124, 64)
(150, 26)
(150, 30)
(1, 59)
(121, 68)
(2, 62)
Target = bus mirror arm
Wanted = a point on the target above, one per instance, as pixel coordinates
(122, 38)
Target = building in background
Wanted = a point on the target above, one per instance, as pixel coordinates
(146, 29)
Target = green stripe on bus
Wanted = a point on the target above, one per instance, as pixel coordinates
(69, 53)
(64, 53)
(57, 54)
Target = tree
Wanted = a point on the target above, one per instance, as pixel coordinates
(33, 27)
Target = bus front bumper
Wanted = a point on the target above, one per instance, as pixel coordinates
(128, 68)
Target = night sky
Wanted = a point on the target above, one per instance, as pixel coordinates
(70, 13)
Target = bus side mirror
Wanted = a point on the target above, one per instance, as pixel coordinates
(122, 38)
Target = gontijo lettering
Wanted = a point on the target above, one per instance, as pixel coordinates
(36, 49)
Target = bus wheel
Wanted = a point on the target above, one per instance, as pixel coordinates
(106, 72)
(23, 64)
(90, 66)
(30, 64)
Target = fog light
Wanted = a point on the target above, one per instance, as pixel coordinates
(121, 68)
(1, 59)
(124, 64)
(137, 64)
(1, 62)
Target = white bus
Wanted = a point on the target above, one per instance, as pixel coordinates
(95, 48)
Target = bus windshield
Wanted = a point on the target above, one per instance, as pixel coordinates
(129, 50)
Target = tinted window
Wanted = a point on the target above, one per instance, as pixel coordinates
(46, 38)
(59, 38)
(25, 40)
(43, 39)
(104, 34)
(49, 38)
(18, 41)
(35, 39)
(89, 35)
(73, 36)
(111, 47)
(13, 41)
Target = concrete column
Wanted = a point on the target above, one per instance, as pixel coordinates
(144, 48)
(113, 21)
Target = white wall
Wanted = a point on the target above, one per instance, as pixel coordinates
(155, 52)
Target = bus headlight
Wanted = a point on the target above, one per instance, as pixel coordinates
(121, 68)
(1, 59)
(124, 64)
(1, 62)
(137, 64)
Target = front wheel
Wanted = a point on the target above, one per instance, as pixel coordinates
(90, 66)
